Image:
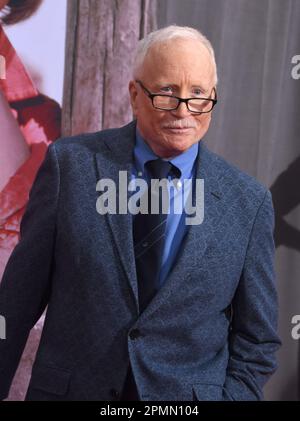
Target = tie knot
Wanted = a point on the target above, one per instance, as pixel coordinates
(158, 169)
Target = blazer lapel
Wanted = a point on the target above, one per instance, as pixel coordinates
(119, 157)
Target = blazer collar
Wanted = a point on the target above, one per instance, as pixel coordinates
(117, 155)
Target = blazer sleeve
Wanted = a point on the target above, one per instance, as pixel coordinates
(25, 285)
(253, 337)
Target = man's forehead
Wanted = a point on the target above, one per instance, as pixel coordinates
(176, 57)
(177, 53)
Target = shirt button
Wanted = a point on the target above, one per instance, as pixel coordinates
(114, 393)
(134, 334)
(145, 244)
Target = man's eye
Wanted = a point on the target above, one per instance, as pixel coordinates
(167, 90)
(197, 92)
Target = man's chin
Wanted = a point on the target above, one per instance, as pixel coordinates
(172, 144)
(173, 150)
(179, 144)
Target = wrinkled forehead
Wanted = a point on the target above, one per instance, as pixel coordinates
(185, 57)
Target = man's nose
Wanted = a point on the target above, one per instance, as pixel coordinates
(182, 110)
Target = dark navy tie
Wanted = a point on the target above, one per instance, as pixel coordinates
(149, 235)
(149, 231)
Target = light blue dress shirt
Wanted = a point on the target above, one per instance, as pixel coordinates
(175, 227)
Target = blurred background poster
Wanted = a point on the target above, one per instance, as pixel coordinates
(32, 45)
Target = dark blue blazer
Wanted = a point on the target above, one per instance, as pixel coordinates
(208, 334)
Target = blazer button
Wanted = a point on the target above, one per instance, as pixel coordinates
(114, 393)
(134, 334)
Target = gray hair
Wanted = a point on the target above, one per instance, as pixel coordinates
(166, 34)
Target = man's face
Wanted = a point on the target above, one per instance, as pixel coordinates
(181, 67)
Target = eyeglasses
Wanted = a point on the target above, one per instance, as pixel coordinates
(170, 102)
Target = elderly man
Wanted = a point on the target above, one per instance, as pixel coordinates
(143, 305)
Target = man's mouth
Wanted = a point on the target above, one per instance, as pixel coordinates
(178, 129)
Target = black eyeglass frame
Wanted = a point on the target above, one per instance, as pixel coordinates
(185, 100)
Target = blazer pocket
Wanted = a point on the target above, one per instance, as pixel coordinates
(207, 392)
(50, 379)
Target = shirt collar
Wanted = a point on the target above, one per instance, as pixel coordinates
(185, 161)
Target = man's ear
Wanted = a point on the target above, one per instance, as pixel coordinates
(133, 97)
